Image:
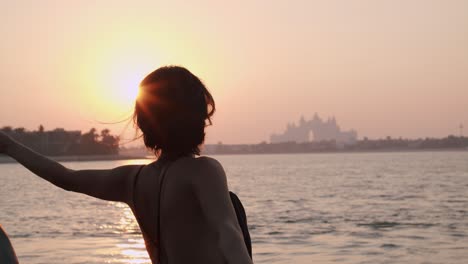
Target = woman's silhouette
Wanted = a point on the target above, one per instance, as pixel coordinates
(197, 220)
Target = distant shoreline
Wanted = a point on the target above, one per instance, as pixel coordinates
(345, 151)
(84, 158)
(5, 159)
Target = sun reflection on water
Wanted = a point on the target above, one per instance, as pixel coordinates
(133, 249)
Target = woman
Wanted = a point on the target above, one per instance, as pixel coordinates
(197, 220)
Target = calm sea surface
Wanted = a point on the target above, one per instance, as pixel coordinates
(305, 208)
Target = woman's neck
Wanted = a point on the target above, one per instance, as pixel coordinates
(165, 156)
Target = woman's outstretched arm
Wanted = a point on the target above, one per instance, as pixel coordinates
(113, 185)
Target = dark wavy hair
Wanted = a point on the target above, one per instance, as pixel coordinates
(172, 110)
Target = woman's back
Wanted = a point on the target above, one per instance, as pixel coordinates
(198, 222)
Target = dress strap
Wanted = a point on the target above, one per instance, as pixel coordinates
(135, 180)
(164, 169)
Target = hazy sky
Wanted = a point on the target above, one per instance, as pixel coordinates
(385, 68)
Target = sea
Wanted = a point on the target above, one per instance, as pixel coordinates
(393, 207)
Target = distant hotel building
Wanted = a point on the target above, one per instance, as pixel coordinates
(315, 129)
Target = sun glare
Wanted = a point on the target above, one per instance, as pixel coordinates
(125, 83)
(116, 81)
(111, 70)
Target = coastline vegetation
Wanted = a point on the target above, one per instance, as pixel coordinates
(60, 142)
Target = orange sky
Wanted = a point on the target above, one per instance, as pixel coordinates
(385, 68)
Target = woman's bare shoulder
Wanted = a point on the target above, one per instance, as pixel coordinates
(203, 163)
(199, 168)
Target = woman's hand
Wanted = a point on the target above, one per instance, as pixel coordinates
(5, 142)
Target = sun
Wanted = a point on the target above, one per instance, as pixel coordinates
(125, 83)
(119, 80)
(110, 72)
